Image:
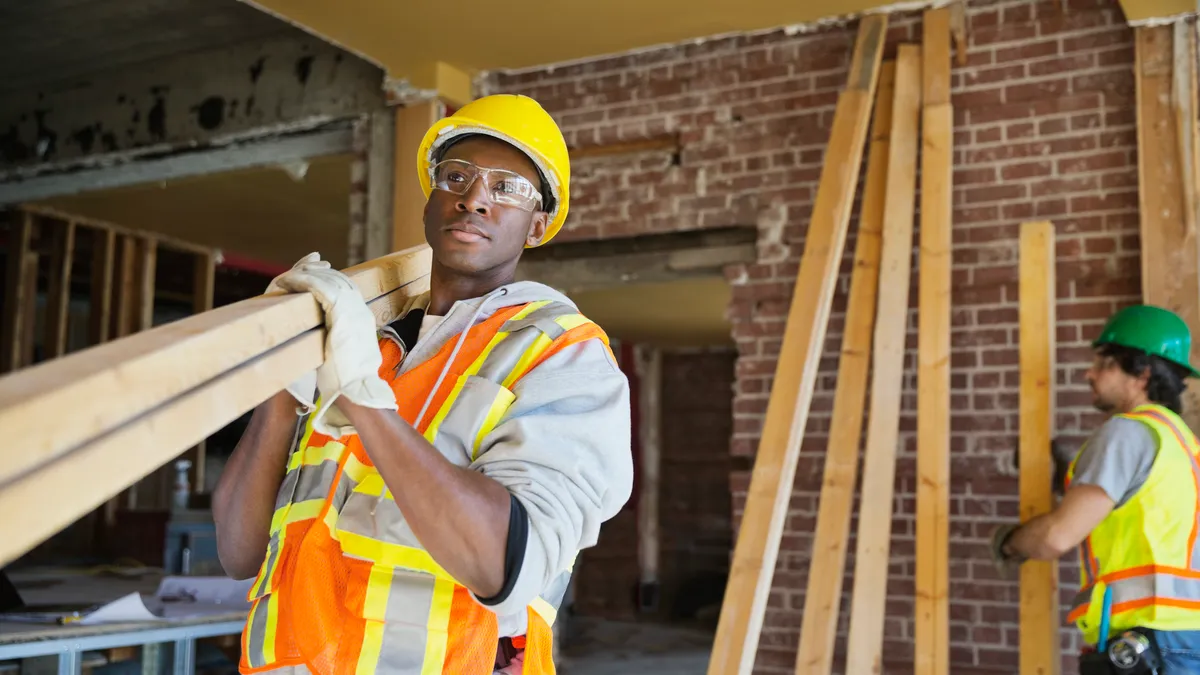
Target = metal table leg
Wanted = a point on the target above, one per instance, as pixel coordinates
(69, 662)
(185, 657)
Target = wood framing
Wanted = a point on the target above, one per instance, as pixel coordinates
(1170, 253)
(58, 296)
(761, 526)
(868, 603)
(104, 252)
(107, 386)
(1039, 651)
(408, 202)
(649, 373)
(13, 325)
(932, 597)
(827, 568)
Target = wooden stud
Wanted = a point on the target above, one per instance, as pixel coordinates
(864, 652)
(761, 527)
(13, 330)
(124, 312)
(58, 297)
(203, 288)
(823, 598)
(1039, 643)
(106, 386)
(29, 307)
(104, 253)
(1170, 249)
(147, 267)
(932, 578)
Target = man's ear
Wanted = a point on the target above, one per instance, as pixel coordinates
(537, 228)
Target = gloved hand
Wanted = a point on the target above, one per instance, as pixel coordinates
(1004, 562)
(304, 388)
(352, 356)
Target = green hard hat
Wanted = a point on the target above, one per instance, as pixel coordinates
(1153, 330)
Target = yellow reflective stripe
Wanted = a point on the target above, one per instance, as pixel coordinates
(503, 400)
(438, 629)
(355, 470)
(311, 456)
(544, 610)
(379, 586)
(395, 555)
(272, 624)
(292, 513)
(371, 484)
(540, 345)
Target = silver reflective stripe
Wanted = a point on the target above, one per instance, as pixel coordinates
(377, 518)
(405, 631)
(315, 481)
(287, 490)
(543, 316)
(1145, 586)
(466, 416)
(257, 635)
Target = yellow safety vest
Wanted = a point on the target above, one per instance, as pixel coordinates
(1146, 549)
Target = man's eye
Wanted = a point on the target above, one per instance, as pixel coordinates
(456, 177)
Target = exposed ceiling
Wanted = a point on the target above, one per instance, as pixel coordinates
(49, 42)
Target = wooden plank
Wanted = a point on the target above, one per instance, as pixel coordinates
(932, 582)
(104, 253)
(147, 266)
(864, 651)
(53, 495)
(203, 287)
(12, 329)
(662, 143)
(774, 472)
(826, 570)
(124, 312)
(58, 297)
(108, 385)
(1039, 643)
(1170, 252)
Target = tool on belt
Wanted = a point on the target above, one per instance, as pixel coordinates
(1134, 652)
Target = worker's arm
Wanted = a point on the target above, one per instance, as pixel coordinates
(459, 516)
(244, 499)
(1049, 536)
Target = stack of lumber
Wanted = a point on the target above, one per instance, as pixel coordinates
(91, 423)
(909, 101)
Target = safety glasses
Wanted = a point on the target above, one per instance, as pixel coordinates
(503, 186)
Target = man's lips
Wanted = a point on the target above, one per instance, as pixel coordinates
(466, 232)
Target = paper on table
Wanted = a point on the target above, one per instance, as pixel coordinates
(176, 598)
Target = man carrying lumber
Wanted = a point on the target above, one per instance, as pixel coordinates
(1132, 504)
(425, 517)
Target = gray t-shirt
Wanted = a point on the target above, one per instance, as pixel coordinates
(1117, 458)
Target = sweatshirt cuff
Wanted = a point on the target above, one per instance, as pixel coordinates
(514, 553)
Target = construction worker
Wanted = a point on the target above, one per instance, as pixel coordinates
(1131, 505)
(424, 514)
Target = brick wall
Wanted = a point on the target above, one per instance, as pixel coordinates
(1044, 128)
(695, 509)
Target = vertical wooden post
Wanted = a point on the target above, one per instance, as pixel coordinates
(408, 204)
(381, 184)
(932, 601)
(58, 297)
(649, 372)
(29, 307)
(1039, 643)
(13, 330)
(104, 252)
(771, 485)
(823, 597)
(864, 651)
(1170, 247)
(204, 279)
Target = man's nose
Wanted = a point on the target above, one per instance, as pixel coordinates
(475, 199)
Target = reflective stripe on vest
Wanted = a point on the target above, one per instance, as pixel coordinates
(355, 507)
(1146, 591)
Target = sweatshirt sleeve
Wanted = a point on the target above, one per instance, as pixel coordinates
(563, 450)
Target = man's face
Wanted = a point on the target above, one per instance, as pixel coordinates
(1112, 388)
(470, 233)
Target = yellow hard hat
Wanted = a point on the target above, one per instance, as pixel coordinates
(520, 121)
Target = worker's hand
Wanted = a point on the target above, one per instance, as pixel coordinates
(352, 356)
(1005, 563)
(304, 388)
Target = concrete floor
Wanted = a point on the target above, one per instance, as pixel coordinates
(597, 647)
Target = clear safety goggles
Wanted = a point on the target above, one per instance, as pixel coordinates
(503, 186)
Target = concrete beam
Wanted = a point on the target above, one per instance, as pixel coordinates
(250, 89)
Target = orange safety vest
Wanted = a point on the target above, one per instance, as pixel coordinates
(1146, 551)
(345, 587)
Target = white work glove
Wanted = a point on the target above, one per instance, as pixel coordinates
(352, 356)
(304, 388)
